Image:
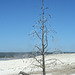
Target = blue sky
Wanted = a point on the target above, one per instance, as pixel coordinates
(18, 16)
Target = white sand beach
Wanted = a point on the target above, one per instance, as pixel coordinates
(56, 64)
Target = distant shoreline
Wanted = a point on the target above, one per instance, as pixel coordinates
(26, 54)
(21, 55)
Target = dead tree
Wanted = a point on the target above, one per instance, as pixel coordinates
(41, 29)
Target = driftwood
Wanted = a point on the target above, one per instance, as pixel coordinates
(23, 73)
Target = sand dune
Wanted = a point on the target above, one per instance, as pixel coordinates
(56, 64)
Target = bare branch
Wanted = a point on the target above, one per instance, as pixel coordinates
(45, 46)
(38, 47)
(52, 30)
(38, 60)
(55, 60)
(38, 65)
(37, 35)
(46, 8)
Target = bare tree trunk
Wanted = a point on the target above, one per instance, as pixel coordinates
(43, 39)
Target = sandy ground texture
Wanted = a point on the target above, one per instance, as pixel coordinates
(56, 64)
